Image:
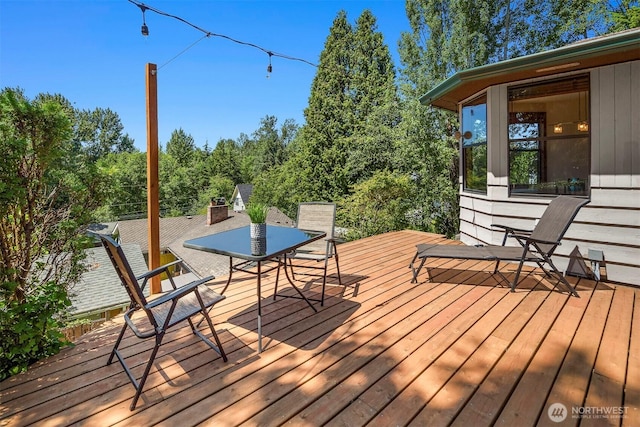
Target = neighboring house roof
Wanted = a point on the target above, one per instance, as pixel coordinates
(174, 231)
(590, 53)
(106, 228)
(245, 191)
(99, 289)
(135, 230)
(208, 264)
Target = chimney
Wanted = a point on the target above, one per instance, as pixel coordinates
(217, 211)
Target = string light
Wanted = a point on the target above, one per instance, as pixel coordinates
(144, 29)
(145, 32)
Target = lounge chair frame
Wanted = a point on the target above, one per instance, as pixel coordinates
(537, 245)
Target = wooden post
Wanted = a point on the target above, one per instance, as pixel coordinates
(153, 198)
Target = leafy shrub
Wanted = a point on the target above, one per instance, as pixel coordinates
(30, 330)
(48, 190)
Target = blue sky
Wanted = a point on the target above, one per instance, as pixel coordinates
(92, 53)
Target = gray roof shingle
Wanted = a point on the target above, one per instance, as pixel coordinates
(99, 288)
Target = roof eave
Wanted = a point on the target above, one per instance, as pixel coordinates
(567, 58)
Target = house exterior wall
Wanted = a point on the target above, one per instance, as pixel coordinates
(611, 221)
(238, 204)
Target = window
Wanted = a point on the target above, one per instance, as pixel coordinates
(474, 144)
(549, 139)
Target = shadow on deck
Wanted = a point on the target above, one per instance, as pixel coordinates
(460, 349)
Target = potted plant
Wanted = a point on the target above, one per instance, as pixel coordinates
(258, 215)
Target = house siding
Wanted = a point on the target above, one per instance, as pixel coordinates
(611, 221)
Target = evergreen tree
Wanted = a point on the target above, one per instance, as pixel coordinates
(329, 119)
(351, 113)
(47, 197)
(181, 147)
(225, 160)
(269, 145)
(370, 148)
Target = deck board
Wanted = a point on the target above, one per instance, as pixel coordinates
(455, 348)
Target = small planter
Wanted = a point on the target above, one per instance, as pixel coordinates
(258, 231)
(259, 246)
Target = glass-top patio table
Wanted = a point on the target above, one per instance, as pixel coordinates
(237, 243)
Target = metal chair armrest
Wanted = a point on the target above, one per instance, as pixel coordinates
(158, 270)
(512, 229)
(178, 293)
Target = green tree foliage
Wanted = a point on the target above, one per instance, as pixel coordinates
(349, 120)
(126, 174)
(218, 186)
(377, 205)
(322, 156)
(269, 148)
(178, 191)
(427, 152)
(99, 132)
(47, 194)
(550, 24)
(376, 115)
(225, 161)
(625, 14)
(181, 147)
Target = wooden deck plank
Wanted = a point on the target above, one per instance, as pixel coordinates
(382, 352)
(434, 378)
(574, 376)
(513, 354)
(607, 381)
(340, 390)
(363, 408)
(527, 400)
(339, 346)
(320, 373)
(632, 384)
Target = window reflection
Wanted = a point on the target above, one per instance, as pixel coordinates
(549, 140)
(474, 144)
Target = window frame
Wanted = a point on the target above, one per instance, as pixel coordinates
(544, 186)
(474, 101)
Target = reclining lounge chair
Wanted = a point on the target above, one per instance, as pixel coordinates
(537, 245)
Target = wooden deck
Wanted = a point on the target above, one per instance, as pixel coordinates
(457, 350)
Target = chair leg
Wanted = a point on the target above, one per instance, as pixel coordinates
(515, 279)
(335, 254)
(143, 379)
(416, 271)
(560, 276)
(275, 289)
(115, 347)
(215, 336)
(324, 280)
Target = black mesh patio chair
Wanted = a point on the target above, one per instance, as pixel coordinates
(167, 310)
(314, 216)
(537, 245)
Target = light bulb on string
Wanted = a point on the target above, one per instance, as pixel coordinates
(269, 67)
(144, 29)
